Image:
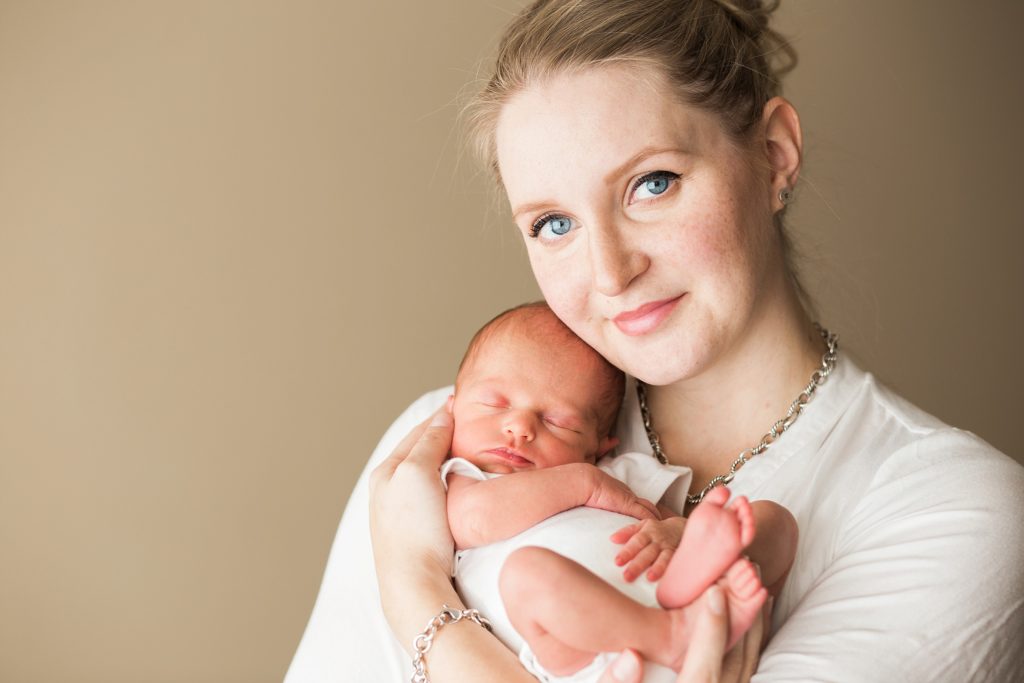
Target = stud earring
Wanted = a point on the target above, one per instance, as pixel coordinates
(785, 195)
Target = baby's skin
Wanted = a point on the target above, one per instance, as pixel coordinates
(532, 403)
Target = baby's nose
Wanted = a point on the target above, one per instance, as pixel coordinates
(521, 426)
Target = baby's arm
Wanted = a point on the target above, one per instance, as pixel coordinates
(482, 512)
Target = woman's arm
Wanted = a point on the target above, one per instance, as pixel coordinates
(482, 512)
(463, 651)
(347, 637)
(414, 560)
(774, 544)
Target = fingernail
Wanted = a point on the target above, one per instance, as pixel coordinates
(626, 666)
(716, 601)
(442, 419)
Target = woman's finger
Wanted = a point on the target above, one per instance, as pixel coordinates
(434, 443)
(387, 466)
(703, 663)
(742, 660)
(627, 668)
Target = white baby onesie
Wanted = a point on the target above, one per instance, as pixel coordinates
(581, 534)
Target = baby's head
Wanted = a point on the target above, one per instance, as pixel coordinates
(530, 394)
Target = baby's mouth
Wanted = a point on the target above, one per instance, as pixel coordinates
(513, 457)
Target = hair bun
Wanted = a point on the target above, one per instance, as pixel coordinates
(751, 16)
(753, 19)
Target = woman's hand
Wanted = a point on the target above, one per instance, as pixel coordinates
(706, 659)
(412, 544)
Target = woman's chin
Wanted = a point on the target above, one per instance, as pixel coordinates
(675, 366)
(656, 377)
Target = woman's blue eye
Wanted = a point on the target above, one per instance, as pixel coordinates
(653, 184)
(551, 227)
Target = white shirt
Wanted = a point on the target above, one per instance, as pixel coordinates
(910, 565)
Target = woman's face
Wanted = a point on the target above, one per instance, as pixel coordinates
(649, 231)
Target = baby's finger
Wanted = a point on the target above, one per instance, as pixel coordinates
(639, 541)
(625, 533)
(657, 569)
(642, 561)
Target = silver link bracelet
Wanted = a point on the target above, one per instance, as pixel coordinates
(421, 644)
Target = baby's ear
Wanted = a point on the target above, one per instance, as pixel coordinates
(606, 445)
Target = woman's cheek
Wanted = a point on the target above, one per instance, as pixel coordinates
(565, 288)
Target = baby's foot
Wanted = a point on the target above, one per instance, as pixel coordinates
(713, 540)
(744, 596)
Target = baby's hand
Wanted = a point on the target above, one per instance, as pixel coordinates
(649, 543)
(608, 493)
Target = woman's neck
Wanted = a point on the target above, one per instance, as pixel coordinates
(705, 421)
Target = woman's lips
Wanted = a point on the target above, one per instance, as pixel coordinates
(511, 456)
(645, 318)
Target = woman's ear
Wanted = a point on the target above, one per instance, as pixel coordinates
(784, 147)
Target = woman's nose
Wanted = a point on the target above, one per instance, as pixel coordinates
(520, 426)
(614, 262)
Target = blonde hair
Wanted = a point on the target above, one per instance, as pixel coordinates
(719, 55)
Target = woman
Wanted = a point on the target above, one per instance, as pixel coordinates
(648, 162)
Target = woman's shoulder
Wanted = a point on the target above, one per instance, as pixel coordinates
(857, 413)
(916, 439)
(919, 468)
(423, 406)
(869, 458)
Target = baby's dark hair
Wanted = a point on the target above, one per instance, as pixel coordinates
(539, 321)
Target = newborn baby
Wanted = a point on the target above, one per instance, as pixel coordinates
(536, 505)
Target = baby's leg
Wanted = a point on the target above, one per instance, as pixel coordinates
(568, 615)
(713, 539)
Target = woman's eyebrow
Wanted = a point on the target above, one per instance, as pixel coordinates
(644, 153)
(530, 208)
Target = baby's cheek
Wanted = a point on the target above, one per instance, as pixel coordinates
(571, 453)
(460, 447)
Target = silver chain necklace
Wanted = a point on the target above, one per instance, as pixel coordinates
(818, 377)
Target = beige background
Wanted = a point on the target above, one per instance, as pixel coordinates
(236, 238)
